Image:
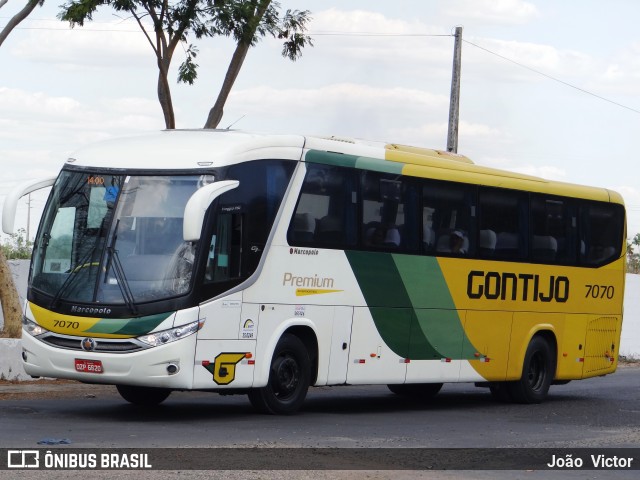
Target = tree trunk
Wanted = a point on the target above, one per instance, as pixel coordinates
(164, 95)
(17, 18)
(11, 308)
(215, 114)
(243, 46)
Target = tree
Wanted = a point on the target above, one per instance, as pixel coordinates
(173, 21)
(11, 308)
(15, 247)
(9, 299)
(18, 17)
(256, 19)
(633, 256)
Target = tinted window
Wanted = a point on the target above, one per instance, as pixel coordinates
(553, 229)
(242, 220)
(389, 213)
(448, 218)
(326, 214)
(601, 227)
(503, 224)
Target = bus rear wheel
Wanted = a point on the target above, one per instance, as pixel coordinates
(417, 390)
(143, 396)
(537, 373)
(289, 379)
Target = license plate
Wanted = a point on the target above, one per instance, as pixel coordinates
(89, 366)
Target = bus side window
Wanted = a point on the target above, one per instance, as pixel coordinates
(224, 261)
(504, 212)
(600, 232)
(448, 218)
(389, 208)
(553, 229)
(325, 216)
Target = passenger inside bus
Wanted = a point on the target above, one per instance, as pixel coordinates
(456, 242)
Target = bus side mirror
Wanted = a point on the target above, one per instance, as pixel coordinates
(11, 202)
(197, 206)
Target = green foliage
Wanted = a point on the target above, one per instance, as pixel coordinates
(187, 73)
(247, 21)
(16, 246)
(633, 254)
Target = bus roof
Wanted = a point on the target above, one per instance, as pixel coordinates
(186, 149)
(197, 149)
(439, 165)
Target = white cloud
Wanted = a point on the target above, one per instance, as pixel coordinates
(361, 21)
(631, 197)
(434, 135)
(398, 43)
(502, 12)
(344, 98)
(103, 45)
(38, 130)
(549, 172)
(620, 75)
(502, 55)
(16, 103)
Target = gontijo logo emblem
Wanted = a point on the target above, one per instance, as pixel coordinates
(224, 367)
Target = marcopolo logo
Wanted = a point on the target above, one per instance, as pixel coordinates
(303, 251)
(90, 310)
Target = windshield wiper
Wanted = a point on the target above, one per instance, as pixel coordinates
(73, 274)
(123, 283)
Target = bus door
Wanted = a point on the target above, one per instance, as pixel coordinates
(340, 340)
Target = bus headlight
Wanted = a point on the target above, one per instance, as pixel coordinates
(167, 336)
(32, 328)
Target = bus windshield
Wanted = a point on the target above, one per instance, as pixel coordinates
(112, 238)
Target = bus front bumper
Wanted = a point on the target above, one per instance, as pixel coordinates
(165, 366)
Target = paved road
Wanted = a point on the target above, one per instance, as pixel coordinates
(599, 412)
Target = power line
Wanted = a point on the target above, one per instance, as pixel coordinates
(387, 35)
(550, 77)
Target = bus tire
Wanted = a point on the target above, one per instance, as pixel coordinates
(537, 373)
(417, 390)
(143, 396)
(289, 378)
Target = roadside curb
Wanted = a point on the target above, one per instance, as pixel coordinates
(10, 361)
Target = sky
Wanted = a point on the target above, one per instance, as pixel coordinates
(549, 88)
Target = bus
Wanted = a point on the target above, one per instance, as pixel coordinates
(242, 263)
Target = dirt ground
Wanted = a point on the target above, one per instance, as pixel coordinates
(52, 388)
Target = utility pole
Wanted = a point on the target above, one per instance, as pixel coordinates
(454, 103)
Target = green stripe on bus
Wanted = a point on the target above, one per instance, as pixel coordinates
(352, 161)
(390, 305)
(129, 326)
(437, 315)
(411, 306)
(379, 279)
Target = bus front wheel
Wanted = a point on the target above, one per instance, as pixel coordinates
(289, 378)
(537, 373)
(143, 396)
